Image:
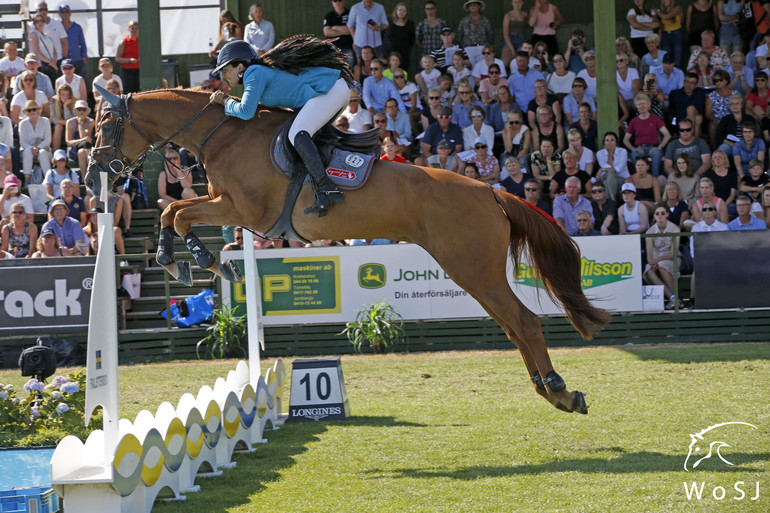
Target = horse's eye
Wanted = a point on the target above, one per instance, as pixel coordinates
(106, 128)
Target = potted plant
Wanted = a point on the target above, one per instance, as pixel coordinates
(378, 326)
(226, 336)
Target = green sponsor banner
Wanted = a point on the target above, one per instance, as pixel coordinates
(592, 274)
(297, 285)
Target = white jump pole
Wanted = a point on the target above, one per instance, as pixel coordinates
(254, 326)
(102, 359)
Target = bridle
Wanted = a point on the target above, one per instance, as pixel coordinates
(117, 162)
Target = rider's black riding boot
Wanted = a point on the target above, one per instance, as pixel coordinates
(326, 193)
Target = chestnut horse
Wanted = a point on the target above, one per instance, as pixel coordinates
(468, 227)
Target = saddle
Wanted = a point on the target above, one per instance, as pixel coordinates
(348, 157)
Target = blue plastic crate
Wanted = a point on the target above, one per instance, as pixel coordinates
(29, 500)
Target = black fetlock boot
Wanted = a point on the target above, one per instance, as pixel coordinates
(326, 192)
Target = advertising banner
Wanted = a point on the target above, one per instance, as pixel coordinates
(39, 296)
(329, 285)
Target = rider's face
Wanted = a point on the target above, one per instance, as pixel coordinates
(230, 74)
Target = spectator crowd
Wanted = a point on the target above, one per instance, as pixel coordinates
(689, 152)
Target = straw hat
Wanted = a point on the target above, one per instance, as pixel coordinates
(30, 105)
(469, 2)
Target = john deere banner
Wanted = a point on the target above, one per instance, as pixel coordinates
(45, 295)
(329, 285)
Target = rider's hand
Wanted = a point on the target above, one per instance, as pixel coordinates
(218, 97)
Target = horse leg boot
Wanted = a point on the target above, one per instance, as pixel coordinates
(326, 193)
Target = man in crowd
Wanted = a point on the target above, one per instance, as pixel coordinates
(366, 21)
(443, 130)
(43, 82)
(76, 41)
(576, 48)
(741, 76)
(585, 225)
(443, 55)
(695, 147)
(11, 64)
(670, 78)
(566, 206)
(745, 221)
(336, 26)
(522, 81)
(689, 102)
(397, 120)
(378, 88)
(359, 120)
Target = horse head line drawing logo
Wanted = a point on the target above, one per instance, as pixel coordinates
(713, 447)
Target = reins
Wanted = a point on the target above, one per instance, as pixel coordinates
(118, 158)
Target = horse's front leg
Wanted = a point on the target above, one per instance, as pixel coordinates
(215, 212)
(165, 254)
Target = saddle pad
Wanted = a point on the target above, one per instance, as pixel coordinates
(348, 170)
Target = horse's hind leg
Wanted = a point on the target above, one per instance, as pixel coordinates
(165, 254)
(216, 212)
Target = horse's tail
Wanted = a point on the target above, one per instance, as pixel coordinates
(557, 259)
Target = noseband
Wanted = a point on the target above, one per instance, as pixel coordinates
(117, 162)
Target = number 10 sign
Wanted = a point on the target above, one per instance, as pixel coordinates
(318, 390)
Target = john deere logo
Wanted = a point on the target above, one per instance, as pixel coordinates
(371, 276)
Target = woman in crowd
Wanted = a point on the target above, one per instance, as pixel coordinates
(497, 113)
(584, 154)
(701, 16)
(361, 69)
(678, 211)
(429, 114)
(729, 37)
(477, 128)
(48, 245)
(649, 134)
(19, 235)
(27, 91)
(545, 163)
(653, 59)
(702, 67)
(41, 44)
(672, 35)
(706, 186)
(80, 135)
(486, 163)
(573, 100)
(489, 86)
(605, 210)
(540, 52)
(543, 99)
(730, 125)
(718, 103)
(612, 160)
(765, 203)
(11, 194)
(547, 128)
(560, 82)
(175, 183)
(128, 58)
(685, 178)
(623, 46)
(92, 231)
(660, 253)
(627, 79)
(750, 147)
(515, 28)
(646, 186)
(62, 109)
(643, 22)
(514, 182)
(545, 18)
(719, 58)
(229, 28)
(517, 138)
(589, 73)
(757, 99)
(586, 127)
(400, 34)
(34, 139)
(632, 214)
(724, 179)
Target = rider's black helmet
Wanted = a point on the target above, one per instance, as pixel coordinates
(234, 51)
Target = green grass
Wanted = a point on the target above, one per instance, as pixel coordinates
(463, 431)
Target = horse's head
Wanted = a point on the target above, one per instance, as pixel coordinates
(116, 151)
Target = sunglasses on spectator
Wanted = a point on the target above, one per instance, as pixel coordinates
(64, 10)
(380, 121)
(589, 57)
(375, 68)
(434, 97)
(531, 189)
(620, 60)
(399, 76)
(492, 72)
(761, 80)
(17, 212)
(464, 92)
(486, 53)
(709, 209)
(514, 122)
(481, 146)
(42, 9)
(442, 116)
(597, 191)
(477, 115)
(661, 213)
(29, 80)
(685, 129)
(558, 60)
(113, 87)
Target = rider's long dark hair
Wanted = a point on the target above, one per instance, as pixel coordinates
(303, 51)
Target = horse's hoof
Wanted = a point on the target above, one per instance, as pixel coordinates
(163, 258)
(184, 275)
(561, 407)
(231, 271)
(579, 402)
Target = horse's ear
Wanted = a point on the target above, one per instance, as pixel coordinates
(111, 98)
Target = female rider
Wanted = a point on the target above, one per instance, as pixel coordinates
(300, 71)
